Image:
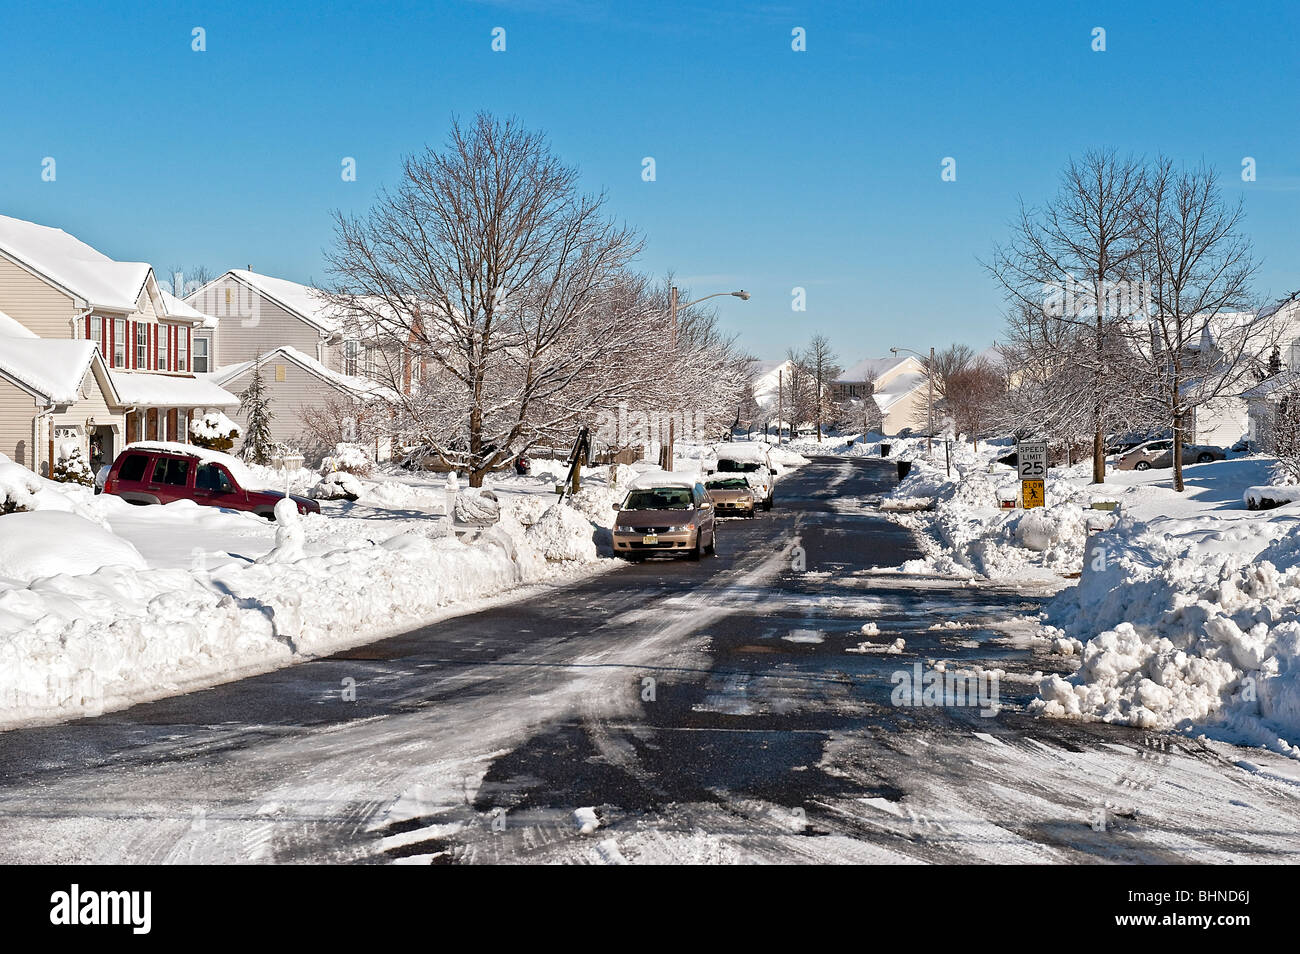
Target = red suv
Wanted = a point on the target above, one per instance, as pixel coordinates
(160, 473)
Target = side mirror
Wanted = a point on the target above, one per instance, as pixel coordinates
(706, 506)
(616, 506)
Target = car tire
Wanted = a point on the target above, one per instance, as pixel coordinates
(695, 551)
(1142, 465)
(1204, 458)
(712, 548)
(767, 504)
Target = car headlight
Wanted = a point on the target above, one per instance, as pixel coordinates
(682, 529)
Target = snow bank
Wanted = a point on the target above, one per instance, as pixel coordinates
(86, 627)
(51, 542)
(561, 534)
(976, 536)
(1192, 624)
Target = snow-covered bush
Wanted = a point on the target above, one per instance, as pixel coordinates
(349, 458)
(214, 431)
(72, 468)
(18, 487)
(337, 485)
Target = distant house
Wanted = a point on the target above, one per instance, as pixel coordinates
(93, 353)
(298, 385)
(310, 361)
(897, 385)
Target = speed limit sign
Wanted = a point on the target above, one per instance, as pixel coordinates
(1031, 460)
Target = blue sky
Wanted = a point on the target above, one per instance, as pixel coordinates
(775, 169)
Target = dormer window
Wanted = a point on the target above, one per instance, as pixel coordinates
(142, 346)
(351, 351)
(163, 334)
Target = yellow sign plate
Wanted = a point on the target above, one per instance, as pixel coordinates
(1033, 493)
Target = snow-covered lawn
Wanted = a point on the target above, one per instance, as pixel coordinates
(104, 604)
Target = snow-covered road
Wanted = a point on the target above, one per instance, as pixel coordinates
(742, 708)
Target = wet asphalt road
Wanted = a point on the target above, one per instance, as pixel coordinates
(725, 710)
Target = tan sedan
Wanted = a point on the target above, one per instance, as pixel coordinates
(732, 496)
(1161, 454)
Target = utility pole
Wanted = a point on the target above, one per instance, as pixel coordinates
(672, 344)
(929, 376)
(780, 410)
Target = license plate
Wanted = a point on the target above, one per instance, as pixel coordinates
(650, 539)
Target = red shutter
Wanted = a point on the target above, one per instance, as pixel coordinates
(130, 344)
(171, 350)
(88, 326)
(108, 334)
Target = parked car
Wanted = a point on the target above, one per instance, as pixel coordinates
(1161, 454)
(665, 513)
(158, 472)
(751, 459)
(732, 495)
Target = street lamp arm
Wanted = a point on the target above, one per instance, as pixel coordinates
(742, 295)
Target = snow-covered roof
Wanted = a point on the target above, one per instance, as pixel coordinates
(168, 390)
(243, 476)
(13, 328)
(898, 388)
(73, 265)
(1270, 385)
(655, 479)
(175, 308)
(52, 367)
(302, 300)
(870, 369)
(362, 387)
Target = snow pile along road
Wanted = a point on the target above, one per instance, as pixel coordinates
(1192, 627)
(976, 536)
(85, 627)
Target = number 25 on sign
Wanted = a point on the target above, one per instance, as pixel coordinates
(1033, 493)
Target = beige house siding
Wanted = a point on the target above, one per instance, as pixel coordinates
(288, 399)
(250, 324)
(18, 410)
(41, 307)
(912, 411)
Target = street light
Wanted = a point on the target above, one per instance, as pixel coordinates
(929, 377)
(743, 295)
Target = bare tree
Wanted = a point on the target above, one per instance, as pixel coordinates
(1068, 269)
(499, 286)
(823, 367)
(946, 364)
(1201, 341)
(970, 394)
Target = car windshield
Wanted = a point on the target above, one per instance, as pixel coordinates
(738, 466)
(660, 498)
(728, 483)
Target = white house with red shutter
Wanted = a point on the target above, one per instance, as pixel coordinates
(93, 353)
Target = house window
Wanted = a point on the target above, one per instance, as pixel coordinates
(119, 343)
(201, 356)
(182, 348)
(370, 362)
(351, 350)
(164, 336)
(97, 333)
(1293, 355)
(142, 345)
